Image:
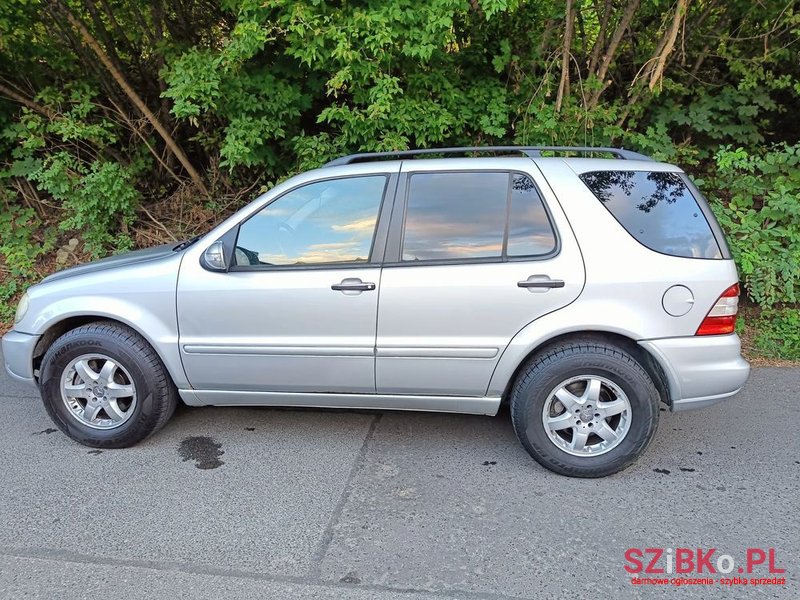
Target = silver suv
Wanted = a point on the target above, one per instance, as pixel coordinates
(581, 291)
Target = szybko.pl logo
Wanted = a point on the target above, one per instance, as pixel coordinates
(698, 565)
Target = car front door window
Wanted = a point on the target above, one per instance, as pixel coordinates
(329, 222)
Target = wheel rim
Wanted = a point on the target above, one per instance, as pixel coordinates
(587, 415)
(98, 391)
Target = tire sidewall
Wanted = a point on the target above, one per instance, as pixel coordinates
(536, 390)
(56, 361)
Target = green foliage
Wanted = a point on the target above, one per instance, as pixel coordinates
(101, 198)
(97, 197)
(755, 196)
(194, 81)
(17, 228)
(257, 108)
(253, 91)
(777, 334)
(69, 158)
(20, 250)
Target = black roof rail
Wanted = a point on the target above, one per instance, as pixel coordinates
(530, 151)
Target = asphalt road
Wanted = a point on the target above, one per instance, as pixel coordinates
(346, 505)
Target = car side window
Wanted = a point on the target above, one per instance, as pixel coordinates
(483, 215)
(657, 208)
(326, 222)
(530, 232)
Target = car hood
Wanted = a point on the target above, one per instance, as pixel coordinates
(112, 262)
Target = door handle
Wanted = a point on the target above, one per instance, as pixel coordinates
(541, 281)
(353, 285)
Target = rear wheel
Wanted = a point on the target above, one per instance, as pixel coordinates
(584, 409)
(104, 386)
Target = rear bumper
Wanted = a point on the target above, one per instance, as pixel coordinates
(701, 370)
(18, 351)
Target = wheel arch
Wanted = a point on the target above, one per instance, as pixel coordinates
(650, 363)
(58, 328)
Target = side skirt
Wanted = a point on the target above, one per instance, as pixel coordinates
(451, 404)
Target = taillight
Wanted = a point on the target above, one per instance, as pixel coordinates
(721, 319)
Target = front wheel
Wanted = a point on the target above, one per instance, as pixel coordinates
(104, 386)
(584, 409)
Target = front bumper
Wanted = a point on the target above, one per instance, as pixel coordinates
(701, 370)
(18, 351)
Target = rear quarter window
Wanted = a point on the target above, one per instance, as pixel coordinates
(658, 209)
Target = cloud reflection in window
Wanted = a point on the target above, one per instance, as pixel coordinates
(458, 216)
(321, 223)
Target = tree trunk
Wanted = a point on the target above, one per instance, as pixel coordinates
(600, 42)
(42, 110)
(608, 55)
(563, 86)
(669, 43)
(135, 98)
(102, 33)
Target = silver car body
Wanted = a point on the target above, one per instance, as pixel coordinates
(441, 337)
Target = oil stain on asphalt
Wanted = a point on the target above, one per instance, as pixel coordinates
(203, 450)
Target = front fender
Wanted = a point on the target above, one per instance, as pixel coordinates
(156, 324)
(140, 295)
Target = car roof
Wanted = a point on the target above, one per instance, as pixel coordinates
(576, 165)
(442, 158)
(529, 151)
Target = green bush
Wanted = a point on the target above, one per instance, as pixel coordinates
(70, 160)
(756, 197)
(20, 250)
(777, 333)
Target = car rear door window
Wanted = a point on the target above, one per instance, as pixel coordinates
(455, 216)
(658, 209)
(530, 232)
(466, 216)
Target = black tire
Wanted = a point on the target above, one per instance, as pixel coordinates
(544, 372)
(156, 394)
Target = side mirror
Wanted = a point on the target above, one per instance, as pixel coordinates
(214, 257)
(219, 255)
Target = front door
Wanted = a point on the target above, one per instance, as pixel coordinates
(473, 257)
(297, 311)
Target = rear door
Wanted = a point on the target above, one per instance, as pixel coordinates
(472, 257)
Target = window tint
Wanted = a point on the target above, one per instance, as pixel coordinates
(321, 223)
(457, 216)
(529, 229)
(657, 209)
